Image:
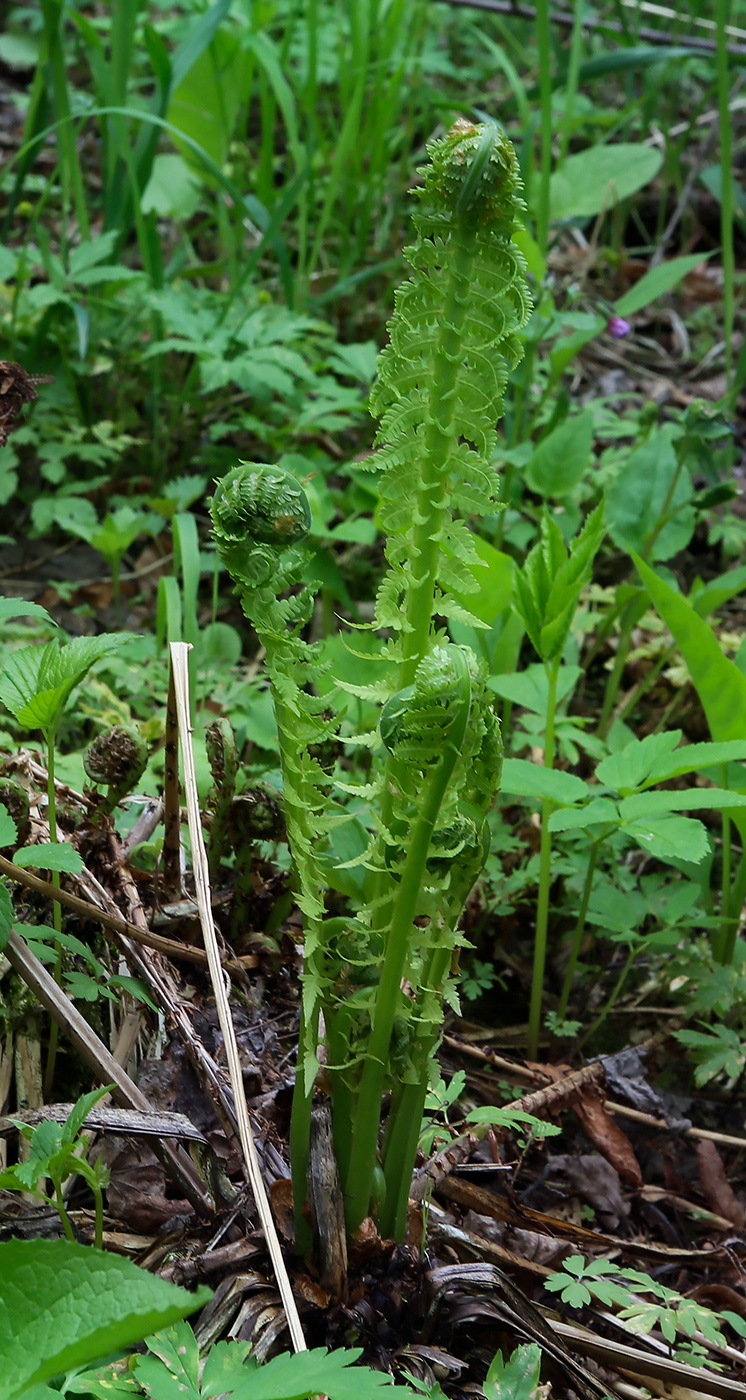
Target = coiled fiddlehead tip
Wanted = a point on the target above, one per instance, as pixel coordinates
(415, 721)
(258, 511)
(474, 168)
(116, 759)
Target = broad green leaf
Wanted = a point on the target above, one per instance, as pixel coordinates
(578, 818)
(712, 178)
(50, 856)
(637, 499)
(655, 283)
(37, 682)
(630, 767)
(205, 103)
(75, 1120)
(671, 838)
(650, 804)
(18, 607)
(599, 178)
(719, 683)
(619, 911)
(531, 780)
(530, 688)
(8, 829)
(565, 349)
(562, 459)
(173, 190)
(91, 252)
(64, 1305)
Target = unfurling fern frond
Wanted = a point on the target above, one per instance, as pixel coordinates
(261, 518)
(441, 379)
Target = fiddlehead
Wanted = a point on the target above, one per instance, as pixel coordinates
(222, 756)
(441, 379)
(258, 513)
(116, 759)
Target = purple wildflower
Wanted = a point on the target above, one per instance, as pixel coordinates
(618, 327)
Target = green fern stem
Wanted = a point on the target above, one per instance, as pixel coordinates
(405, 1117)
(545, 874)
(358, 1185)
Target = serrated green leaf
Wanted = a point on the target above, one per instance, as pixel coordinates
(578, 818)
(172, 1370)
(50, 855)
(18, 607)
(671, 838)
(630, 767)
(307, 1373)
(65, 1305)
(37, 682)
(650, 804)
(695, 757)
(8, 828)
(80, 1111)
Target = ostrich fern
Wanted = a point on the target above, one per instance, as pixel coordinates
(439, 394)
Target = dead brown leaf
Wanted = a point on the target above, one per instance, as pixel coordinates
(607, 1136)
(716, 1188)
